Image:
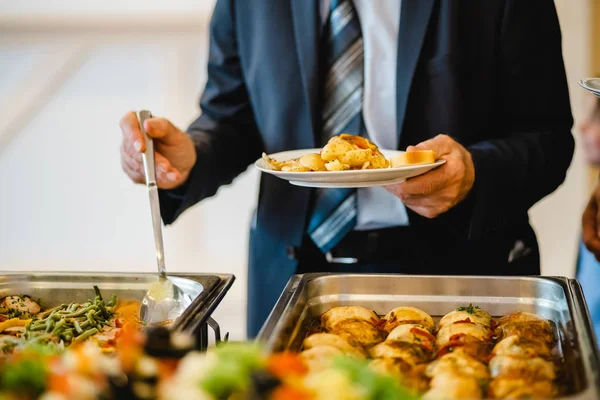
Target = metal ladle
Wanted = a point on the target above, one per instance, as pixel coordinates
(164, 301)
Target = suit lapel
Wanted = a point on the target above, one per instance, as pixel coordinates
(305, 15)
(414, 20)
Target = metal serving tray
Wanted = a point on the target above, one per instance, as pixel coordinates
(560, 300)
(54, 288)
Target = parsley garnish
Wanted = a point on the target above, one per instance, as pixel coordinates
(470, 308)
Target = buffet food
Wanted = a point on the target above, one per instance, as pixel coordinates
(347, 152)
(23, 322)
(466, 355)
(171, 369)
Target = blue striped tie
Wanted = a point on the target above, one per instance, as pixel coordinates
(334, 213)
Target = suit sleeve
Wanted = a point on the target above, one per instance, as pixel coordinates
(226, 136)
(534, 146)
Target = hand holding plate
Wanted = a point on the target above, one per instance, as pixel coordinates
(439, 190)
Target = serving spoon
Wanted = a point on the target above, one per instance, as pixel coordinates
(164, 301)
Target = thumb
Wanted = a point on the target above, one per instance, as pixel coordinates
(163, 130)
(440, 145)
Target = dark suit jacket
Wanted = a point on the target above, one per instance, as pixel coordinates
(488, 73)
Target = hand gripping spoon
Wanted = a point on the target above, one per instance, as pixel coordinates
(165, 301)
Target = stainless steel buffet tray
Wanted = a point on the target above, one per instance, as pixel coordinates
(54, 288)
(560, 300)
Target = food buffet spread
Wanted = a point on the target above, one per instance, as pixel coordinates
(330, 336)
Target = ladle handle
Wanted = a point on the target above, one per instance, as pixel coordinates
(150, 172)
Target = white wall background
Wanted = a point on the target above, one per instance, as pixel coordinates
(70, 69)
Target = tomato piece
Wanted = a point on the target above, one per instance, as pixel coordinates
(285, 364)
(418, 331)
(465, 321)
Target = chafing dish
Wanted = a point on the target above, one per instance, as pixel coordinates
(560, 300)
(206, 290)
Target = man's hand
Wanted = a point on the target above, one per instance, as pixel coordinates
(591, 224)
(438, 191)
(175, 154)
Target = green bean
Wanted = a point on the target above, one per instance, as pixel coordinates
(85, 324)
(39, 338)
(113, 301)
(58, 327)
(68, 337)
(80, 312)
(77, 327)
(90, 317)
(86, 334)
(38, 327)
(98, 294)
(44, 314)
(49, 324)
(73, 307)
(103, 309)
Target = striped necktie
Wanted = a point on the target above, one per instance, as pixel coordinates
(335, 210)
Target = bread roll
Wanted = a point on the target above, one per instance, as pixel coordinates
(413, 157)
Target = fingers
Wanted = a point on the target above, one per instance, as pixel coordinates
(162, 129)
(132, 135)
(590, 226)
(441, 145)
(132, 167)
(167, 177)
(425, 184)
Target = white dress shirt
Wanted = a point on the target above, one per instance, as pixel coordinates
(380, 21)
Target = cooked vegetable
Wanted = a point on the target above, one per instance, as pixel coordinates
(9, 323)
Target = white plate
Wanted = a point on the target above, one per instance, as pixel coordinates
(345, 179)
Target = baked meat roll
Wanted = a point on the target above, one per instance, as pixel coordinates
(406, 315)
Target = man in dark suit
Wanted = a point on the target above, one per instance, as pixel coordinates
(288, 74)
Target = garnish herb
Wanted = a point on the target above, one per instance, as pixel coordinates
(470, 308)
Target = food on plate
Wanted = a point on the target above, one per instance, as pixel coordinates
(412, 158)
(468, 313)
(341, 153)
(406, 315)
(328, 339)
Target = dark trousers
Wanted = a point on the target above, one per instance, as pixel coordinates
(404, 251)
